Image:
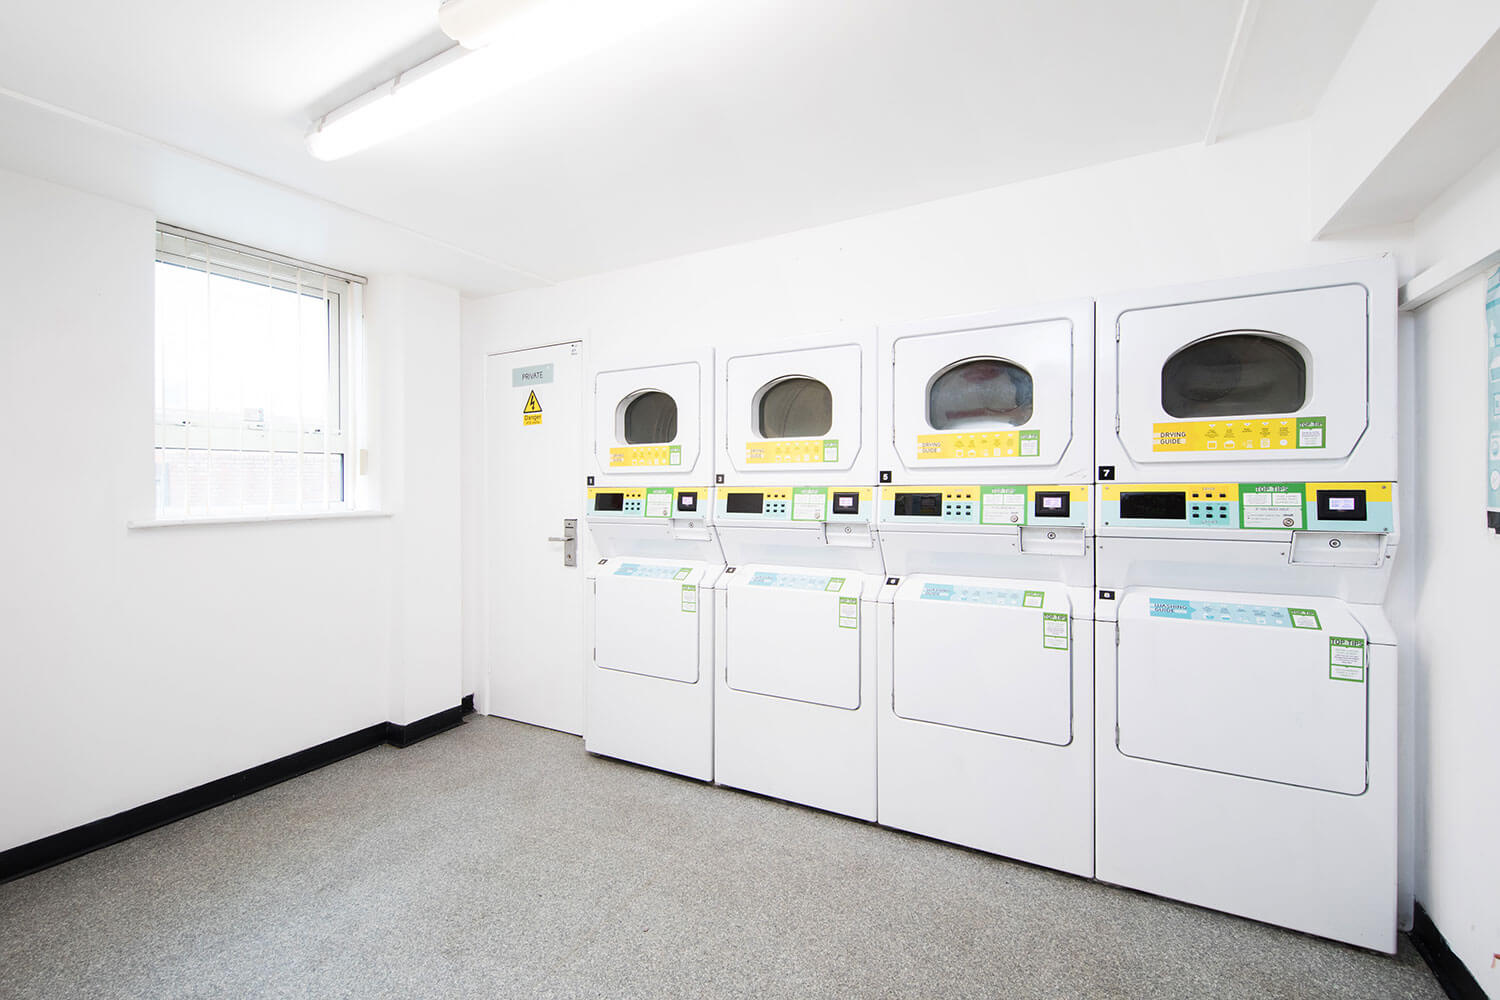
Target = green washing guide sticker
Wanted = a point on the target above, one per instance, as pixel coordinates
(1312, 432)
(1033, 599)
(848, 612)
(1346, 659)
(1304, 618)
(835, 583)
(830, 449)
(1002, 505)
(690, 598)
(1054, 630)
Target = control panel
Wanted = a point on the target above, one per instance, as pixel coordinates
(1062, 506)
(647, 502)
(1345, 507)
(744, 504)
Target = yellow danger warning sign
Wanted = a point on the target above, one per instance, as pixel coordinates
(532, 414)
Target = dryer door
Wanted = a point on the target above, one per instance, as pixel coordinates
(989, 655)
(1276, 377)
(998, 396)
(646, 619)
(1257, 685)
(794, 633)
(795, 409)
(648, 420)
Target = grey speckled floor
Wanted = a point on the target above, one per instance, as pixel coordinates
(500, 860)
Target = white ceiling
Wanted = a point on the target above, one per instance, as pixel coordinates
(742, 119)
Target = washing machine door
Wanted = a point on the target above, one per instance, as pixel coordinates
(649, 420)
(794, 633)
(646, 619)
(1272, 377)
(989, 655)
(1000, 395)
(796, 408)
(1261, 686)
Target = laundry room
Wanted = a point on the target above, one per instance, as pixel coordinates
(658, 498)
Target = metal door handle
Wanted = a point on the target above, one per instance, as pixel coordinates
(569, 539)
(555, 538)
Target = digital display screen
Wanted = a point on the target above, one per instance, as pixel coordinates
(846, 503)
(1154, 506)
(1341, 505)
(1055, 503)
(609, 501)
(687, 501)
(1051, 503)
(745, 503)
(919, 505)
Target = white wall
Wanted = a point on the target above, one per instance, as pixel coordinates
(1458, 629)
(137, 664)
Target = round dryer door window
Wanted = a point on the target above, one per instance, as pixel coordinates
(1234, 374)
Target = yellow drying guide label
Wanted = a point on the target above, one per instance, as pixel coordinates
(634, 456)
(980, 444)
(790, 451)
(1262, 434)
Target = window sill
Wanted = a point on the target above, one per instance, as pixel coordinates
(325, 515)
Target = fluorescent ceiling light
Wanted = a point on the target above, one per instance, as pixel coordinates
(503, 43)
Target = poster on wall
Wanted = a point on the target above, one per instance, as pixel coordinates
(1492, 322)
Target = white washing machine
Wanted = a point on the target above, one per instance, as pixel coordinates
(795, 680)
(1246, 675)
(648, 608)
(985, 641)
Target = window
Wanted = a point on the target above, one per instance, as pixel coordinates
(795, 407)
(254, 390)
(980, 392)
(1232, 374)
(650, 418)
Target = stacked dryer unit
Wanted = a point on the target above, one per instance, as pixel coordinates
(985, 639)
(795, 679)
(649, 689)
(1246, 675)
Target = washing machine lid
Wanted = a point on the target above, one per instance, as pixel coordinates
(990, 396)
(1255, 685)
(1271, 377)
(646, 618)
(989, 655)
(649, 420)
(793, 633)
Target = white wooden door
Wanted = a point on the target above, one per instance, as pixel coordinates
(533, 483)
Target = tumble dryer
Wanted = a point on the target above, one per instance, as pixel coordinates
(794, 702)
(649, 694)
(1246, 675)
(985, 636)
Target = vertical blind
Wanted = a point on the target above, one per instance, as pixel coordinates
(258, 366)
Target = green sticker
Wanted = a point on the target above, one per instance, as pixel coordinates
(659, 501)
(1033, 599)
(1031, 444)
(690, 598)
(1002, 505)
(1304, 618)
(810, 503)
(1346, 659)
(674, 455)
(848, 612)
(1272, 505)
(1312, 432)
(835, 583)
(830, 449)
(1054, 630)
